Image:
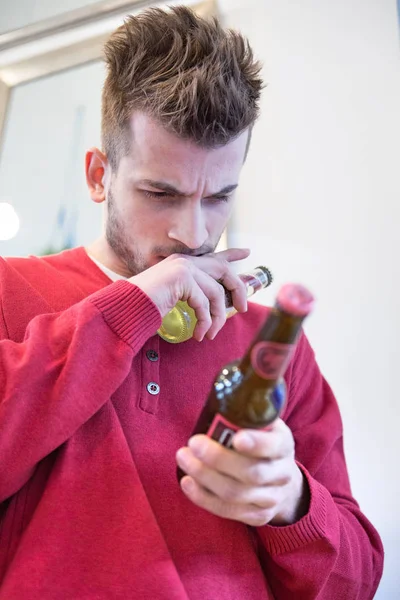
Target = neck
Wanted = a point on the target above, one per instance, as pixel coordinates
(101, 251)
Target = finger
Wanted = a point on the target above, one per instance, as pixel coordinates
(225, 487)
(232, 254)
(235, 288)
(194, 295)
(218, 266)
(210, 313)
(248, 514)
(245, 469)
(221, 270)
(275, 443)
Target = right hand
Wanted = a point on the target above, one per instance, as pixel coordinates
(196, 279)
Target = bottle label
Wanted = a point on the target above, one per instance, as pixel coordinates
(222, 431)
(270, 359)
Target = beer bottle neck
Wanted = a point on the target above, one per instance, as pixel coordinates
(279, 335)
(255, 280)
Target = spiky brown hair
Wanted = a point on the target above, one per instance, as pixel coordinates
(197, 79)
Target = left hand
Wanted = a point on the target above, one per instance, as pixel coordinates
(257, 482)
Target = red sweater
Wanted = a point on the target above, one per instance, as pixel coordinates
(90, 507)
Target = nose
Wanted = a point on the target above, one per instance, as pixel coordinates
(189, 227)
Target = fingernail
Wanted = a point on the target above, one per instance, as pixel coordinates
(245, 441)
(187, 485)
(181, 457)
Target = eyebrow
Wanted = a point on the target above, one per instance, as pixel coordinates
(170, 189)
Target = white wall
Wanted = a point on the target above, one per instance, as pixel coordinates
(319, 202)
(50, 124)
(18, 13)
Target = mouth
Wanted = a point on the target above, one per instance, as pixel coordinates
(160, 257)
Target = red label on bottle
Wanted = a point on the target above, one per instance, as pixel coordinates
(270, 359)
(221, 430)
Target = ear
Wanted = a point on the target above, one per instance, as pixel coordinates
(96, 164)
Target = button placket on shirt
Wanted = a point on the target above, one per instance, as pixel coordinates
(152, 355)
(151, 388)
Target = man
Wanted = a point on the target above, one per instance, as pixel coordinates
(96, 410)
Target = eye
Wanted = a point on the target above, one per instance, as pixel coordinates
(150, 194)
(220, 198)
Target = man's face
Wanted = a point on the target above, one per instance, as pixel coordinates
(168, 196)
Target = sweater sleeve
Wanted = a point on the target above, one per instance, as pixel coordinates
(333, 551)
(66, 368)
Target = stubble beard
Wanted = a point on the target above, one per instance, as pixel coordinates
(118, 241)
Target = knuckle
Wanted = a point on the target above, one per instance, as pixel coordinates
(207, 322)
(196, 469)
(230, 493)
(226, 510)
(257, 475)
(182, 262)
(218, 320)
(176, 258)
(205, 303)
(206, 318)
(220, 293)
(284, 479)
(224, 266)
(217, 292)
(242, 286)
(214, 455)
(261, 518)
(218, 305)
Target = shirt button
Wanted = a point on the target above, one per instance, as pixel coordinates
(152, 355)
(153, 388)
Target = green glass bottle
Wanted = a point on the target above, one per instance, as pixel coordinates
(178, 325)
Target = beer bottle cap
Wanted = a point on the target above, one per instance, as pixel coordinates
(295, 299)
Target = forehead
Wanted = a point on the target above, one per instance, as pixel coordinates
(156, 153)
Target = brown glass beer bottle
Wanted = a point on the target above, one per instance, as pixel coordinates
(243, 395)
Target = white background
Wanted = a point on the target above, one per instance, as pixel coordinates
(18, 13)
